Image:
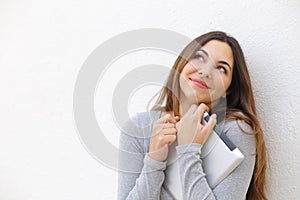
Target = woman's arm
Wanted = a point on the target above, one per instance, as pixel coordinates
(235, 185)
(140, 177)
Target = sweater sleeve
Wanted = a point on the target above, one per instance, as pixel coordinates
(235, 185)
(139, 177)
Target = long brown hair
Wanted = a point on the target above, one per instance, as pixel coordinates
(239, 99)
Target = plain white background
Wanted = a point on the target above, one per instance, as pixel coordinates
(44, 43)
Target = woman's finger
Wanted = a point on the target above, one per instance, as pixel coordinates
(200, 110)
(167, 128)
(167, 118)
(210, 124)
(169, 139)
(158, 127)
(192, 109)
(169, 131)
(168, 125)
(178, 125)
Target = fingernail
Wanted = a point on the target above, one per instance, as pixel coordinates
(214, 116)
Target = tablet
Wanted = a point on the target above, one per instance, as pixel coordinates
(219, 155)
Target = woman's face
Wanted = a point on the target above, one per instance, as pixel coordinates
(207, 76)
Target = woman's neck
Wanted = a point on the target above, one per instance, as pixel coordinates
(185, 105)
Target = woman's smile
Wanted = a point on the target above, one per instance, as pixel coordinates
(199, 83)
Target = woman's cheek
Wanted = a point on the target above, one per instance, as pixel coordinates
(221, 81)
(189, 68)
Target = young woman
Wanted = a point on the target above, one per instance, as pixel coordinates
(165, 144)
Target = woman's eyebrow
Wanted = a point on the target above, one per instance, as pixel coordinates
(221, 61)
(204, 52)
(225, 63)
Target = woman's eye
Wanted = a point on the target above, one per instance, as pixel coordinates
(199, 57)
(222, 69)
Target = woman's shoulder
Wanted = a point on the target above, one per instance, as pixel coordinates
(240, 133)
(237, 122)
(147, 117)
(141, 121)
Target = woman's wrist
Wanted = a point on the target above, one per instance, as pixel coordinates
(152, 164)
(188, 148)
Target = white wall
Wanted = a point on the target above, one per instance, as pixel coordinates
(44, 43)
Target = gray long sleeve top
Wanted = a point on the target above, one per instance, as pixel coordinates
(141, 177)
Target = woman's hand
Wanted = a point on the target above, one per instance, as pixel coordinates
(190, 128)
(163, 134)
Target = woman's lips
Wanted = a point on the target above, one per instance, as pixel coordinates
(199, 83)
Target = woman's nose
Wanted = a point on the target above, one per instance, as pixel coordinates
(205, 72)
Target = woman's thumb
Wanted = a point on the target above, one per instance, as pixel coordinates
(177, 125)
